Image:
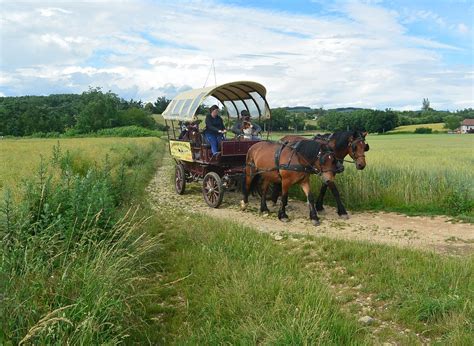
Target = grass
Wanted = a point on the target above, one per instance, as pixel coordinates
(411, 128)
(439, 305)
(74, 248)
(233, 285)
(207, 281)
(424, 174)
(225, 283)
(20, 157)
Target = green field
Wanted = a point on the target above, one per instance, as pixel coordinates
(411, 128)
(19, 158)
(413, 174)
(100, 275)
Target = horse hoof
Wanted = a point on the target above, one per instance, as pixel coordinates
(285, 219)
(243, 205)
(315, 222)
(265, 214)
(344, 216)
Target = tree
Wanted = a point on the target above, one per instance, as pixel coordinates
(452, 122)
(99, 112)
(426, 105)
(136, 116)
(160, 105)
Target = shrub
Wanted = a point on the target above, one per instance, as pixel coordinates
(310, 127)
(69, 256)
(128, 131)
(423, 130)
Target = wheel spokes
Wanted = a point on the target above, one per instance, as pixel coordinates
(212, 190)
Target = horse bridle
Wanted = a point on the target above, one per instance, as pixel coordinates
(353, 148)
(321, 157)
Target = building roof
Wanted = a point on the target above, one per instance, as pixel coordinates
(468, 122)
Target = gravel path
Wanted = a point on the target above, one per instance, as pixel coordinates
(421, 232)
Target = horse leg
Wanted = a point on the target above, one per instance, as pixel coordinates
(276, 192)
(340, 207)
(263, 200)
(313, 215)
(319, 202)
(284, 201)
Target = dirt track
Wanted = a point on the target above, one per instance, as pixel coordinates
(428, 233)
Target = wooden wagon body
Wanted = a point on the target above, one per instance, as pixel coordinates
(192, 154)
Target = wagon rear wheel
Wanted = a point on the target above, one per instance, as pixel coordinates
(179, 179)
(212, 189)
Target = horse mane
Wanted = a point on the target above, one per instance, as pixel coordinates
(342, 138)
(309, 149)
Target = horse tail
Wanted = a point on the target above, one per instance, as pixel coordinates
(250, 178)
(254, 184)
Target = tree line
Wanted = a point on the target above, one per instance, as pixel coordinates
(88, 112)
(94, 110)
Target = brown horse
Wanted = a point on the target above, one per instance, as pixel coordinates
(343, 143)
(287, 164)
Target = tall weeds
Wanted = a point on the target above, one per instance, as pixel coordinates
(72, 249)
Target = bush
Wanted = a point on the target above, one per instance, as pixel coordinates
(424, 130)
(69, 256)
(310, 127)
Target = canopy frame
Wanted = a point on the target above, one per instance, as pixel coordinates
(189, 101)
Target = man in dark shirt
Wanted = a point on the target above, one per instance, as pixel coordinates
(215, 128)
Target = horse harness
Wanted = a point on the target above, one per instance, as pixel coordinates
(353, 144)
(308, 168)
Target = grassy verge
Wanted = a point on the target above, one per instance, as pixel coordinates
(73, 249)
(230, 284)
(225, 283)
(428, 293)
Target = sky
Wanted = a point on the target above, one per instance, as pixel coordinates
(332, 53)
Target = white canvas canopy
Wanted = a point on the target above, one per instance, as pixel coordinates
(235, 96)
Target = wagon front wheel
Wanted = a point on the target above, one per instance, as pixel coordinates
(212, 189)
(179, 179)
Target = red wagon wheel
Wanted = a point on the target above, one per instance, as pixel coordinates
(212, 189)
(179, 179)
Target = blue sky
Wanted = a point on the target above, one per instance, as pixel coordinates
(374, 54)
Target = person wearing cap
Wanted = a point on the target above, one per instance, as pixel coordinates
(244, 122)
(215, 129)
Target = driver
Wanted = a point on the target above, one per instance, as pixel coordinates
(215, 128)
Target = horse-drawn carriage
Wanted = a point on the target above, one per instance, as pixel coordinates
(192, 153)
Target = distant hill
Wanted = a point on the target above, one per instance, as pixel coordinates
(304, 109)
(298, 109)
(346, 109)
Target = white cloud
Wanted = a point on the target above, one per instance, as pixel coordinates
(463, 28)
(363, 56)
(52, 11)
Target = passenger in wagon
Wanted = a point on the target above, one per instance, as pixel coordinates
(215, 129)
(242, 126)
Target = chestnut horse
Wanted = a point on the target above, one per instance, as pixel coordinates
(343, 143)
(287, 164)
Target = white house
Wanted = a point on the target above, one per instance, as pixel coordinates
(467, 126)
